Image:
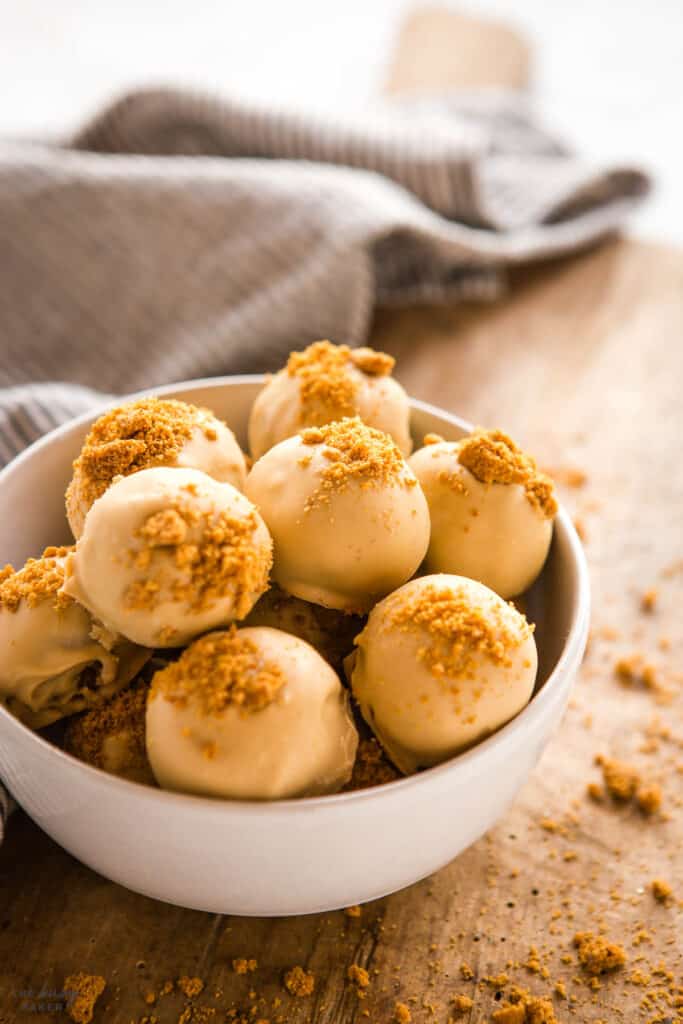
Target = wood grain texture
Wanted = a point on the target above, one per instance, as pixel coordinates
(583, 363)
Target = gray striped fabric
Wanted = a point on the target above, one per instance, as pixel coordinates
(180, 235)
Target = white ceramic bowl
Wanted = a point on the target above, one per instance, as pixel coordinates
(293, 856)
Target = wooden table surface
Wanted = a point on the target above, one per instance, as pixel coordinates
(583, 363)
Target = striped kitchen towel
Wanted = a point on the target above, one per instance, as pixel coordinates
(180, 235)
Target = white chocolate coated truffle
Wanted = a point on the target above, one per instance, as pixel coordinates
(347, 516)
(167, 554)
(54, 661)
(250, 714)
(440, 665)
(151, 432)
(491, 511)
(329, 382)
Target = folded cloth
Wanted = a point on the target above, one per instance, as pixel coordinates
(180, 236)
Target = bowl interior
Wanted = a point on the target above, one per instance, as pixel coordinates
(32, 501)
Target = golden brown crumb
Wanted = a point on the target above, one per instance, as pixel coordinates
(327, 389)
(139, 435)
(595, 792)
(121, 721)
(493, 457)
(371, 767)
(648, 599)
(597, 955)
(40, 579)
(521, 1007)
(359, 977)
(432, 439)
(372, 362)
(661, 890)
(466, 971)
(223, 559)
(220, 670)
(84, 990)
(634, 669)
(462, 1004)
(458, 629)
(621, 780)
(299, 982)
(649, 798)
(241, 965)
(354, 911)
(356, 453)
(402, 1014)
(190, 987)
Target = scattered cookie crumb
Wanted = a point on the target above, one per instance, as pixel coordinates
(299, 982)
(648, 599)
(661, 890)
(649, 798)
(241, 965)
(354, 911)
(359, 977)
(84, 991)
(597, 955)
(462, 1004)
(402, 1014)
(190, 987)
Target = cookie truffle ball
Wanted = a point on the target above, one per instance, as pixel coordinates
(167, 554)
(54, 660)
(112, 737)
(250, 714)
(348, 519)
(441, 663)
(331, 632)
(150, 432)
(491, 510)
(329, 382)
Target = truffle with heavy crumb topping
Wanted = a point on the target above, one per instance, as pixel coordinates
(167, 554)
(253, 714)
(146, 433)
(54, 658)
(348, 519)
(441, 663)
(491, 510)
(329, 382)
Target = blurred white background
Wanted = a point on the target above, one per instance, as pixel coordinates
(608, 75)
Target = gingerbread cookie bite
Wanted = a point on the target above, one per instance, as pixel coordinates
(491, 510)
(54, 659)
(167, 554)
(150, 432)
(112, 737)
(329, 631)
(348, 518)
(329, 382)
(441, 663)
(250, 714)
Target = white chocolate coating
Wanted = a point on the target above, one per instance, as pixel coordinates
(55, 662)
(277, 412)
(488, 531)
(302, 744)
(348, 549)
(211, 447)
(424, 716)
(114, 563)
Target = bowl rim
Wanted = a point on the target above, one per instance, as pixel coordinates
(568, 661)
